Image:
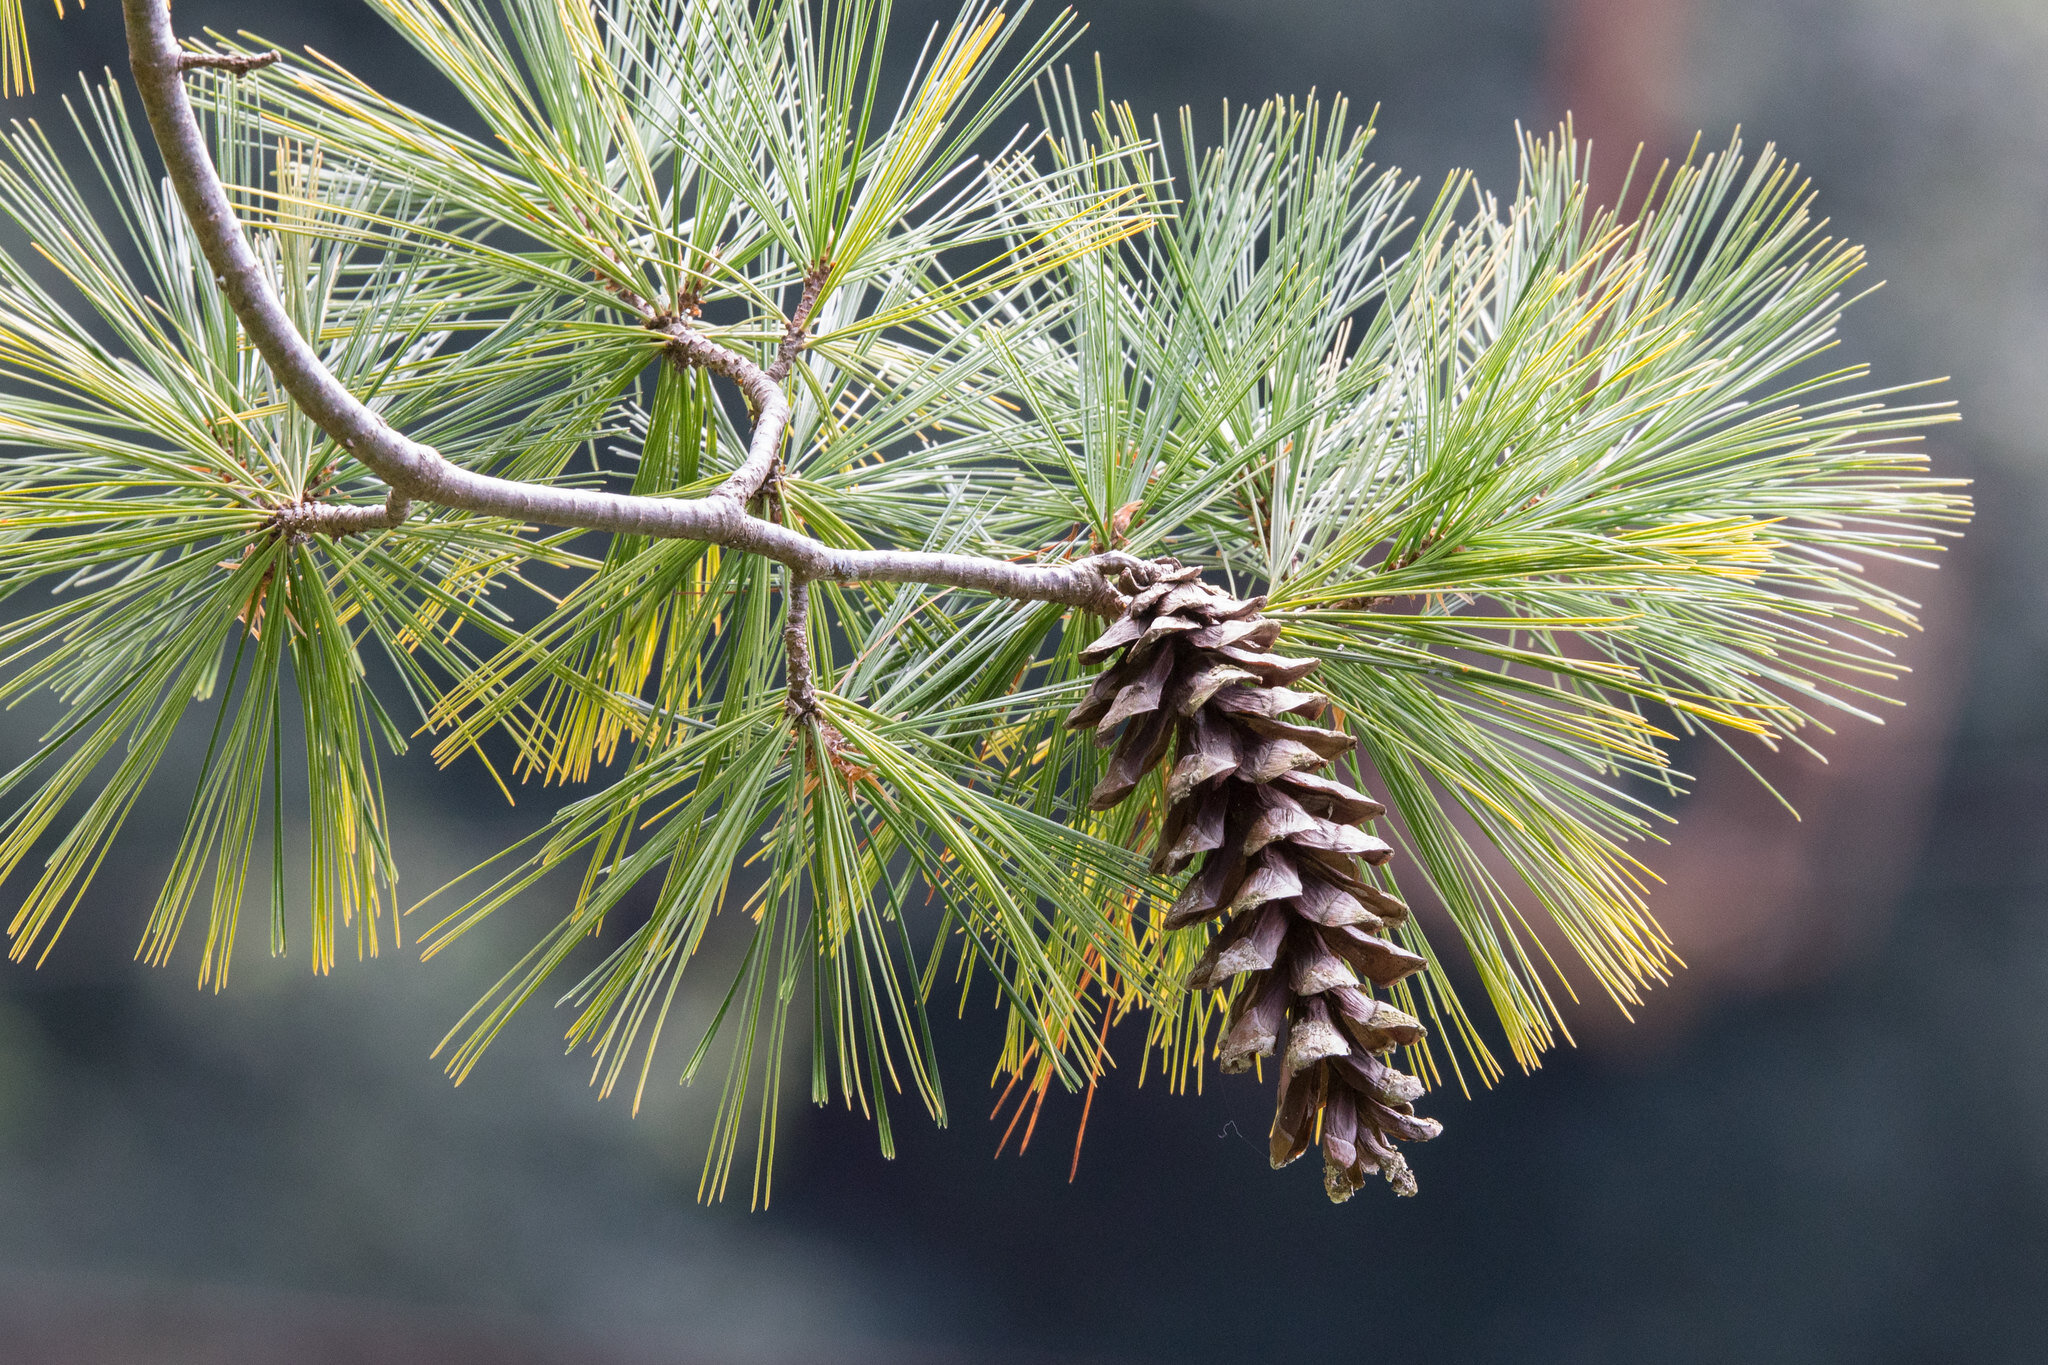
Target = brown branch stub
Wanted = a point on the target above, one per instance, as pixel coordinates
(309, 517)
(796, 332)
(1392, 564)
(773, 504)
(236, 64)
(802, 702)
(801, 705)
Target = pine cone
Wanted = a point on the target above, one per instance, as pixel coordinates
(1279, 845)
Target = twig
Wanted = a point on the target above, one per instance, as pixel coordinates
(688, 346)
(418, 472)
(798, 330)
(802, 704)
(308, 518)
(233, 64)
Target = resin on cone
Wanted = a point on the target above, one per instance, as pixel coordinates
(1274, 845)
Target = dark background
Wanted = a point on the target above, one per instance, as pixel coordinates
(1828, 1143)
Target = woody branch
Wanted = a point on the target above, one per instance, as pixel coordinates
(417, 472)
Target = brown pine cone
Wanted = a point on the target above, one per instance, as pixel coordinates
(1279, 845)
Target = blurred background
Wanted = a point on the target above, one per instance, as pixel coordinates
(1827, 1142)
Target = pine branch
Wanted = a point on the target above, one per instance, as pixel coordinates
(798, 330)
(418, 472)
(233, 64)
(301, 519)
(796, 644)
(1541, 490)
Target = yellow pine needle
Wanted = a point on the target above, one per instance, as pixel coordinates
(17, 73)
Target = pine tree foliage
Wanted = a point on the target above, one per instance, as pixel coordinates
(1543, 490)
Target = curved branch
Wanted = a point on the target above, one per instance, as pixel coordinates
(764, 394)
(418, 471)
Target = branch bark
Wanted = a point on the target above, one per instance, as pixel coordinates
(802, 703)
(341, 519)
(764, 394)
(799, 329)
(416, 471)
(240, 66)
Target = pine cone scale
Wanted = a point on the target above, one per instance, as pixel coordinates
(1332, 799)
